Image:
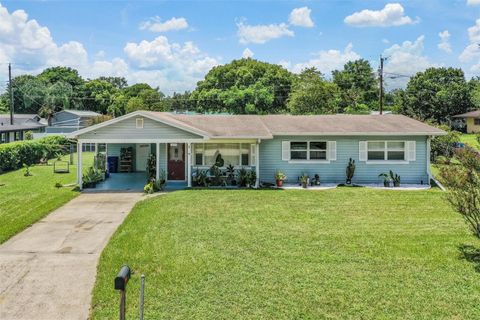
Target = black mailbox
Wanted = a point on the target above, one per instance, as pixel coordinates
(122, 278)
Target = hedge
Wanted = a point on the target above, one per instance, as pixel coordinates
(13, 155)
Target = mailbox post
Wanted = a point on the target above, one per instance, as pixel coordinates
(121, 281)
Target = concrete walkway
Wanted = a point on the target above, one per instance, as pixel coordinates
(48, 270)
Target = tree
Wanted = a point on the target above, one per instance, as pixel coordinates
(463, 187)
(357, 84)
(117, 82)
(312, 94)
(444, 146)
(244, 86)
(99, 95)
(437, 94)
(58, 97)
(61, 74)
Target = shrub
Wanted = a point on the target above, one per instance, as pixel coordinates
(444, 146)
(13, 155)
(463, 184)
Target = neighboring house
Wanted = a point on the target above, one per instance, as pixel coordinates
(472, 120)
(21, 124)
(67, 121)
(317, 144)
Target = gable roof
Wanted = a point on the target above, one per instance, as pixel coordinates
(21, 122)
(81, 113)
(471, 114)
(267, 126)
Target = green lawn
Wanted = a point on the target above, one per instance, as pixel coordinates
(25, 200)
(471, 140)
(343, 253)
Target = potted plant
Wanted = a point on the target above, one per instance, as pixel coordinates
(350, 171)
(316, 180)
(304, 180)
(242, 177)
(231, 175)
(279, 178)
(395, 178)
(251, 178)
(386, 179)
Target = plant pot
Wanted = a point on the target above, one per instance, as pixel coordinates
(304, 185)
(396, 184)
(279, 183)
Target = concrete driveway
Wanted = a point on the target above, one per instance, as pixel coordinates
(48, 270)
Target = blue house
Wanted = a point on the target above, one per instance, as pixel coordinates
(309, 144)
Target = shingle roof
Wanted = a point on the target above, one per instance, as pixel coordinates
(471, 114)
(82, 113)
(265, 126)
(20, 122)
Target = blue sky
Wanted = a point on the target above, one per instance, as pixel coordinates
(172, 44)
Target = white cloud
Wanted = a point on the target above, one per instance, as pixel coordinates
(156, 25)
(392, 14)
(405, 59)
(301, 17)
(173, 66)
(444, 44)
(328, 60)
(247, 53)
(473, 2)
(24, 41)
(262, 33)
(386, 41)
(471, 53)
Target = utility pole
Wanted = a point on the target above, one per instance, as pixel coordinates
(380, 71)
(10, 86)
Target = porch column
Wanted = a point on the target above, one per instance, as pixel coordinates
(257, 164)
(189, 165)
(79, 165)
(157, 156)
(106, 156)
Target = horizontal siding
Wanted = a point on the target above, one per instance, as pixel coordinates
(334, 172)
(114, 150)
(126, 129)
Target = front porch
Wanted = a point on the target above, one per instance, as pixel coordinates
(128, 164)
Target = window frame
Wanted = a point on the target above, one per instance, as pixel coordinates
(240, 154)
(309, 150)
(139, 123)
(476, 121)
(385, 151)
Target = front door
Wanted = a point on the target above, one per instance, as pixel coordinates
(141, 157)
(176, 161)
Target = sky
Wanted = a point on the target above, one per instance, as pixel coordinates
(173, 44)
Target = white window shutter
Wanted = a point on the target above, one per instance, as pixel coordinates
(285, 150)
(411, 151)
(253, 154)
(332, 150)
(362, 151)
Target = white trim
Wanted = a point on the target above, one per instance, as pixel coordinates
(257, 164)
(188, 164)
(141, 140)
(385, 151)
(308, 150)
(309, 161)
(157, 164)
(387, 162)
(136, 114)
(368, 133)
(429, 150)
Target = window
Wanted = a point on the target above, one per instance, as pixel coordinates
(18, 135)
(476, 122)
(4, 137)
(139, 123)
(313, 150)
(235, 154)
(386, 150)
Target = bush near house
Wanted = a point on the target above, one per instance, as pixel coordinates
(14, 155)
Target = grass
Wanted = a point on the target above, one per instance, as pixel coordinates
(471, 140)
(343, 253)
(25, 200)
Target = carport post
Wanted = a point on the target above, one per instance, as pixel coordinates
(157, 157)
(257, 163)
(79, 164)
(189, 165)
